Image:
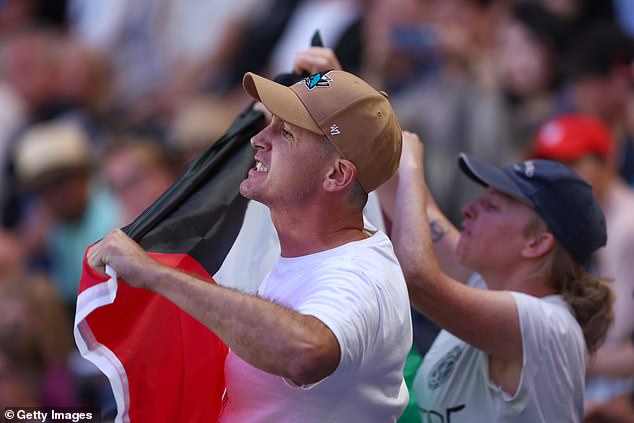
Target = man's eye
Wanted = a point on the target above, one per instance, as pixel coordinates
(490, 206)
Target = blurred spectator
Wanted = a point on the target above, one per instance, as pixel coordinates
(453, 112)
(528, 72)
(35, 338)
(198, 125)
(333, 18)
(401, 46)
(11, 118)
(585, 145)
(30, 67)
(128, 34)
(53, 161)
(83, 80)
(15, 14)
(580, 13)
(618, 410)
(44, 81)
(600, 79)
(271, 38)
(162, 52)
(13, 387)
(137, 170)
(12, 254)
(625, 15)
(18, 14)
(154, 47)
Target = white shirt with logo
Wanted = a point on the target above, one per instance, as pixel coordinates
(453, 384)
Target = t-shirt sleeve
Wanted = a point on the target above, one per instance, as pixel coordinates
(548, 337)
(347, 303)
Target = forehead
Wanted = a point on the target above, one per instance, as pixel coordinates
(298, 131)
(511, 206)
(505, 198)
(289, 125)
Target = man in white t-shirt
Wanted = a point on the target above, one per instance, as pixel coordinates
(513, 349)
(325, 339)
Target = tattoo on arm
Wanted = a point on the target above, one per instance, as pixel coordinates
(437, 231)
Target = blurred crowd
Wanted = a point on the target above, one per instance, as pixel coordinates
(103, 102)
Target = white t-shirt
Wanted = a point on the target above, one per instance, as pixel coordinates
(359, 292)
(453, 383)
(257, 247)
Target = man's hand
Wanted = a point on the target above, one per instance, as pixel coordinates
(412, 153)
(123, 255)
(315, 59)
(411, 166)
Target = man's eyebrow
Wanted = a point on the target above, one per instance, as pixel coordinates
(499, 194)
(288, 128)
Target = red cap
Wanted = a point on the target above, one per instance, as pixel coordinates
(572, 136)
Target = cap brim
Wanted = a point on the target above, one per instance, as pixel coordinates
(280, 100)
(491, 176)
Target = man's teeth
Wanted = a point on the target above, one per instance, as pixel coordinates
(260, 167)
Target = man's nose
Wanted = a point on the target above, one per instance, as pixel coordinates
(468, 210)
(258, 141)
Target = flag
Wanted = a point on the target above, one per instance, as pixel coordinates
(162, 364)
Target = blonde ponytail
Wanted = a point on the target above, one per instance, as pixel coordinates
(590, 297)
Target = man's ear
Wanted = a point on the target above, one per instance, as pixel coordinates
(538, 245)
(340, 176)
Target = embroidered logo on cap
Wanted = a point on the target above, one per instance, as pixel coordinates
(527, 168)
(317, 80)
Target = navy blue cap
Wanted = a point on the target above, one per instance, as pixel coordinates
(559, 196)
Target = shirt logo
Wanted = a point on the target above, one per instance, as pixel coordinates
(317, 80)
(443, 368)
(334, 130)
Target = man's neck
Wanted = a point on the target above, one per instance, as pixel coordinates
(526, 279)
(308, 233)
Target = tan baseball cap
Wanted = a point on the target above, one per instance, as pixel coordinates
(355, 117)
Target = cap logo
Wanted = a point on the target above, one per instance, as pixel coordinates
(334, 130)
(527, 168)
(317, 80)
